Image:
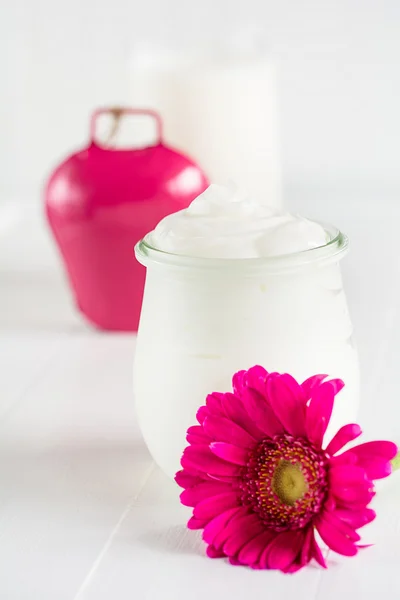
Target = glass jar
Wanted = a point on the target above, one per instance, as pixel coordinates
(204, 319)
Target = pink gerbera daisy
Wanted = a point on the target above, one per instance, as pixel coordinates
(260, 482)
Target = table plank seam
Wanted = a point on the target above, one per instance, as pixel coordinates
(87, 580)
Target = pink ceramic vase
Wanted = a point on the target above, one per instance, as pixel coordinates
(101, 201)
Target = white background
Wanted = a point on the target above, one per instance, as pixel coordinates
(83, 512)
(339, 77)
(338, 85)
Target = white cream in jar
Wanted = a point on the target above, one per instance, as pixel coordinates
(230, 284)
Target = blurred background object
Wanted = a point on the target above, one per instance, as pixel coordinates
(337, 64)
(219, 104)
(102, 200)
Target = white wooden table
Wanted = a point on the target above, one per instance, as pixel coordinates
(85, 514)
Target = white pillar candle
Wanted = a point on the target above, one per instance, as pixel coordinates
(220, 110)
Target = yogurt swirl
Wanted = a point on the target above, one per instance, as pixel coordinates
(223, 223)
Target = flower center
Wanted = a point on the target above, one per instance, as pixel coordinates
(288, 482)
(285, 482)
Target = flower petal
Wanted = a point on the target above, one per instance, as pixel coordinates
(243, 520)
(238, 382)
(374, 457)
(235, 542)
(337, 384)
(287, 400)
(319, 412)
(251, 552)
(377, 468)
(255, 378)
(263, 560)
(194, 440)
(196, 430)
(235, 411)
(346, 434)
(284, 549)
(217, 525)
(225, 430)
(383, 449)
(230, 453)
(261, 413)
(201, 414)
(196, 435)
(306, 550)
(293, 568)
(222, 478)
(346, 475)
(340, 460)
(211, 507)
(194, 523)
(214, 553)
(357, 518)
(201, 458)
(351, 496)
(337, 541)
(202, 491)
(185, 479)
(316, 553)
(214, 403)
(332, 519)
(311, 383)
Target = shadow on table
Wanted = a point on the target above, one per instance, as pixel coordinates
(176, 539)
(84, 479)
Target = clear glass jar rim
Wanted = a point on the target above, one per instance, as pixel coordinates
(334, 249)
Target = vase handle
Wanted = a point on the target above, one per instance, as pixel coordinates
(119, 111)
